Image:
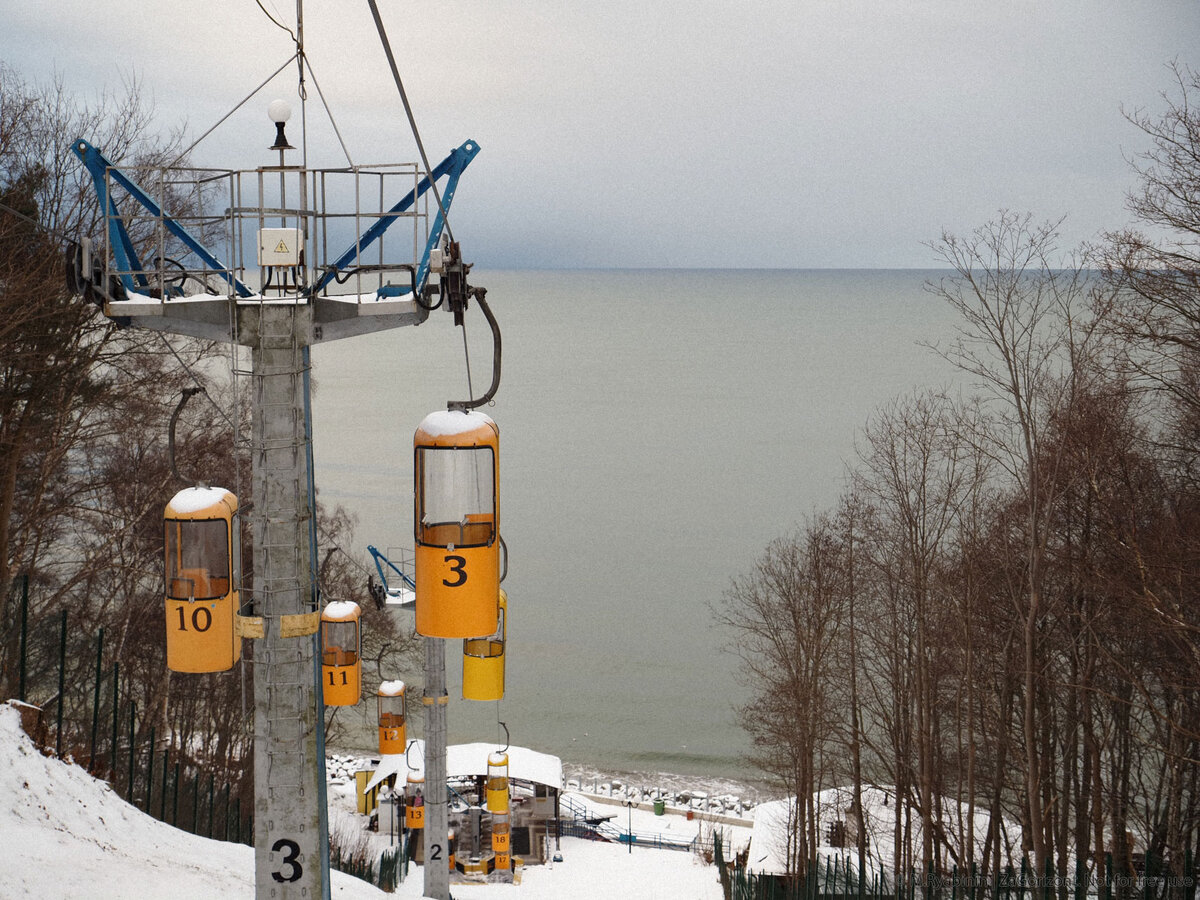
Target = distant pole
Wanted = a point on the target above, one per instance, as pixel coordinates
(112, 763)
(62, 683)
(129, 785)
(96, 699)
(629, 810)
(150, 776)
(24, 634)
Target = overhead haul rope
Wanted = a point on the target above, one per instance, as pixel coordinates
(467, 356)
(412, 122)
(305, 63)
(278, 24)
(242, 103)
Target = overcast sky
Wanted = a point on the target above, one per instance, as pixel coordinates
(805, 133)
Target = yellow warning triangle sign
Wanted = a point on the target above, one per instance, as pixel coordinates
(281, 247)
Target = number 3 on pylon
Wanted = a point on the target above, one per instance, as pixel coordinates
(291, 855)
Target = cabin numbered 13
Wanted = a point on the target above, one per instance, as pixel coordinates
(341, 653)
(202, 570)
(457, 524)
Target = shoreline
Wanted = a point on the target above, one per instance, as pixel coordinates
(704, 794)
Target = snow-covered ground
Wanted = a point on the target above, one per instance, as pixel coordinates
(67, 835)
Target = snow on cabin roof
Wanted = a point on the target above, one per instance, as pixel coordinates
(391, 688)
(453, 421)
(194, 499)
(340, 609)
(466, 760)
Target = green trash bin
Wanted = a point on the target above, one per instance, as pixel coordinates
(660, 806)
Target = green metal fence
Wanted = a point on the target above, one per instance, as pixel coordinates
(840, 878)
(62, 671)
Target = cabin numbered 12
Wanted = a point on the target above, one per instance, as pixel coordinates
(457, 524)
(202, 569)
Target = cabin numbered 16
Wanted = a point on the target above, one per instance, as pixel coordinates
(202, 569)
(457, 524)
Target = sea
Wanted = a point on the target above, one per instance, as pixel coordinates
(658, 428)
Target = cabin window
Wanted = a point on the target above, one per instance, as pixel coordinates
(339, 642)
(456, 505)
(197, 559)
(391, 711)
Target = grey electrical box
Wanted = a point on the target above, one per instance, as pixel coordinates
(279, 246)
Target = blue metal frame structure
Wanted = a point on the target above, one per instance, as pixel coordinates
(133, 274)
(98, 167)
(452, 168)
(380, 561)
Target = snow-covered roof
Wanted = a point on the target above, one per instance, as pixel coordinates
(454, 421)
(391, 688)
(340, 610)
(194, 499)
(401, 596)
(768, 838)
(466, 760)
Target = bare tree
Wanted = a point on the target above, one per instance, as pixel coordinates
(784, 619)
(1024, 334)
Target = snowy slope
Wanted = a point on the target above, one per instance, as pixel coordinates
(67, 835)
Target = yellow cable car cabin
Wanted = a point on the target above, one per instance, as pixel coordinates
(483, 660)
(501, 841)
(393, 734)
(202, 571)
(457, 524)
(497, 782)
(341, 653)
(414, 801)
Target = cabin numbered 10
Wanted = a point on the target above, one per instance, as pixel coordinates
(202, 570)
(457, 524)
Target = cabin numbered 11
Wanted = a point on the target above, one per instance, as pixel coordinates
(457, 524)
(202, 570)
(341, 653)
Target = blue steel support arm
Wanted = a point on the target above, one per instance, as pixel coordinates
(97, 166)
(380, 561)
(451, 168)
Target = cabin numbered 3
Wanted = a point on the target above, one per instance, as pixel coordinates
(202, 571)
(457, 524)
(341, 653)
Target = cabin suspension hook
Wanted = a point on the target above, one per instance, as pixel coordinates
(456, 293)
(379, 661)
(464, 405)
(507, 738)
(188, 393)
